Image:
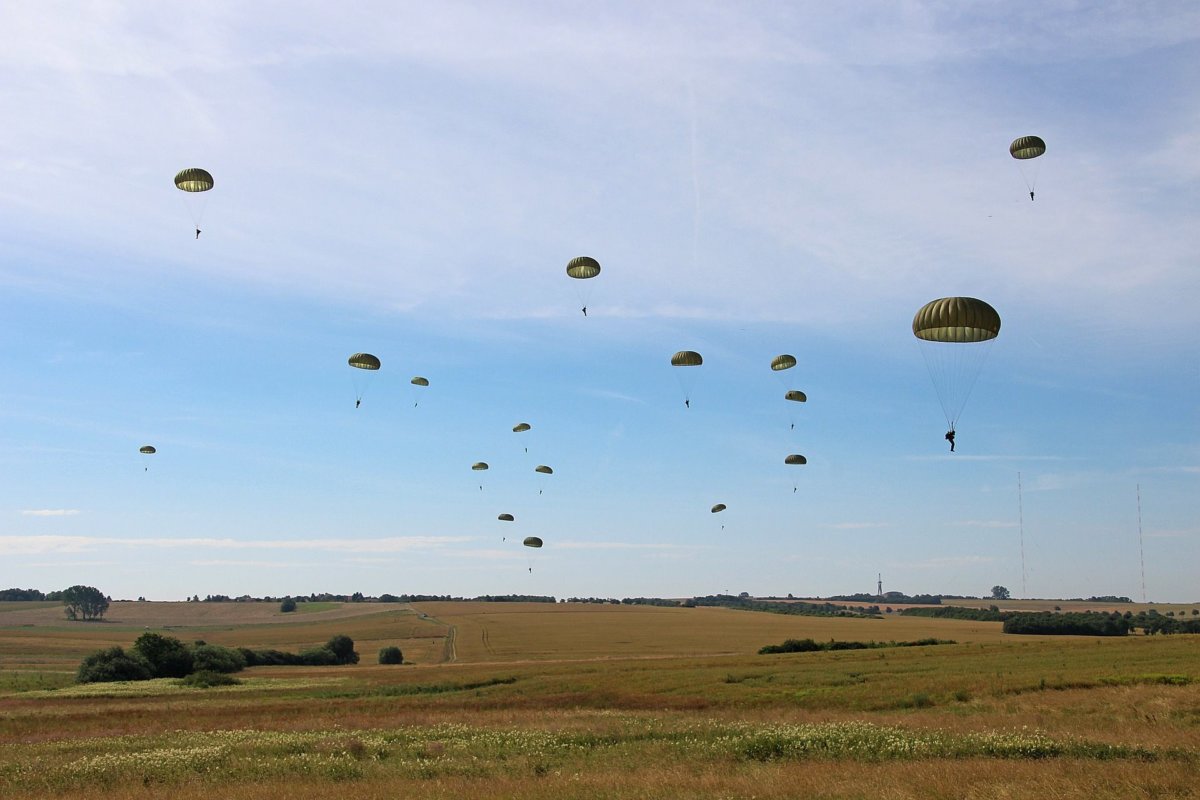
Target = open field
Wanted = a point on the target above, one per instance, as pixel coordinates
(592, 701)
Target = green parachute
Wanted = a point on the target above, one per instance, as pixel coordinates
(955, 334)
(583, 268)
(194, 181)
(1026, 148)
(686, 358)
(366, 362)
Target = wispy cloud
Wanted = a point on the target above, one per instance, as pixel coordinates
(26, 545)
(50, 512)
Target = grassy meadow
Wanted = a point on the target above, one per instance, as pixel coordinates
(596, 701)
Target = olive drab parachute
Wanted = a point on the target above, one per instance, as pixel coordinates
(366, 362)
(506, 518)
(521, 427)
(194, 181)
(686, 358)
(955, 335)
(782, 362)
(719, 507)
(532, 541)
(583, 268)
(542, 468)
(479, 466)
(796, 396)
(417, 383)
(147, 449)
(1024, 148)
(795, 458)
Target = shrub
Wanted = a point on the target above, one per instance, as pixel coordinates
(114, 664)
(319, 657)
(288, 605)
(215, 658)
(206, 679)
(342, 647)
(391, 655)
(167, 656)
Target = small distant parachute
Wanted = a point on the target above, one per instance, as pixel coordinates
(419, 381)
(583, 268)
(147, 449)
(542, 468)
(955, 335)
(532, 541)
(718, 508)
(1024, 148)
(782, 362)
(364, 361)
(686, 358)
(506, 518)
(796, 396)
(479, 466)
(194, 180)
(521, 427)
(795, 458)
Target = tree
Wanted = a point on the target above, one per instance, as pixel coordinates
(287, 605)
(342, 647)
(113, 664)
(391, 655)
(215, 658)
(84, 602)
(167, 656)
(1000, 593)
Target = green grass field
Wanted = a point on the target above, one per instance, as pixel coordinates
(597, 701)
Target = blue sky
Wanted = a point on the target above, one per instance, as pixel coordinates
(410, 180)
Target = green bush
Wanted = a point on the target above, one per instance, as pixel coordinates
(391, 655)
(342, 647)
(167, 656)
(215, 658)
(114, 664)
(288, 605)
(206, 679)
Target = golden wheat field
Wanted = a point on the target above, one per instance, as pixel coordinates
(524, 700)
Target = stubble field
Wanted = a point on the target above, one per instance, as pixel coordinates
(595, 701)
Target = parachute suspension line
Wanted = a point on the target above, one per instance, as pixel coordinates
(954, 369)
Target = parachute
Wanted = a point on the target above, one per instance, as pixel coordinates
(506, 518)
(542, 468)
(796, 396)
(718, 508)
(795, 458)
(782, 362)
(479, 466)
(417, 383)
(583, 268)
(1024, 148)
(521, 427)
(955, 335)
(147, 449)
(364, 361)
(686, 358)
(194, 180)
(532, 541)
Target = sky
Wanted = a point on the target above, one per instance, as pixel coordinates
(410, 180)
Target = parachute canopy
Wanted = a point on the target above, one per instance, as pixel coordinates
(532, 541)
(1025, 147)
(521, 427)
(507, 518)
(363, 361)
(956, 319)
(194, 179)
(796, 396)
(583, 267)
(795, 458)
(479, 466)
(542, 468)
(718, 507)
(687, 358)
(419, 381)
(148, 449)
(783, 362)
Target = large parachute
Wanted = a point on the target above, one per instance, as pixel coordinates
(194, 181)
(583, 268)
(686, 358)
(363, 361)
(955, 335)
(1024, 148)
